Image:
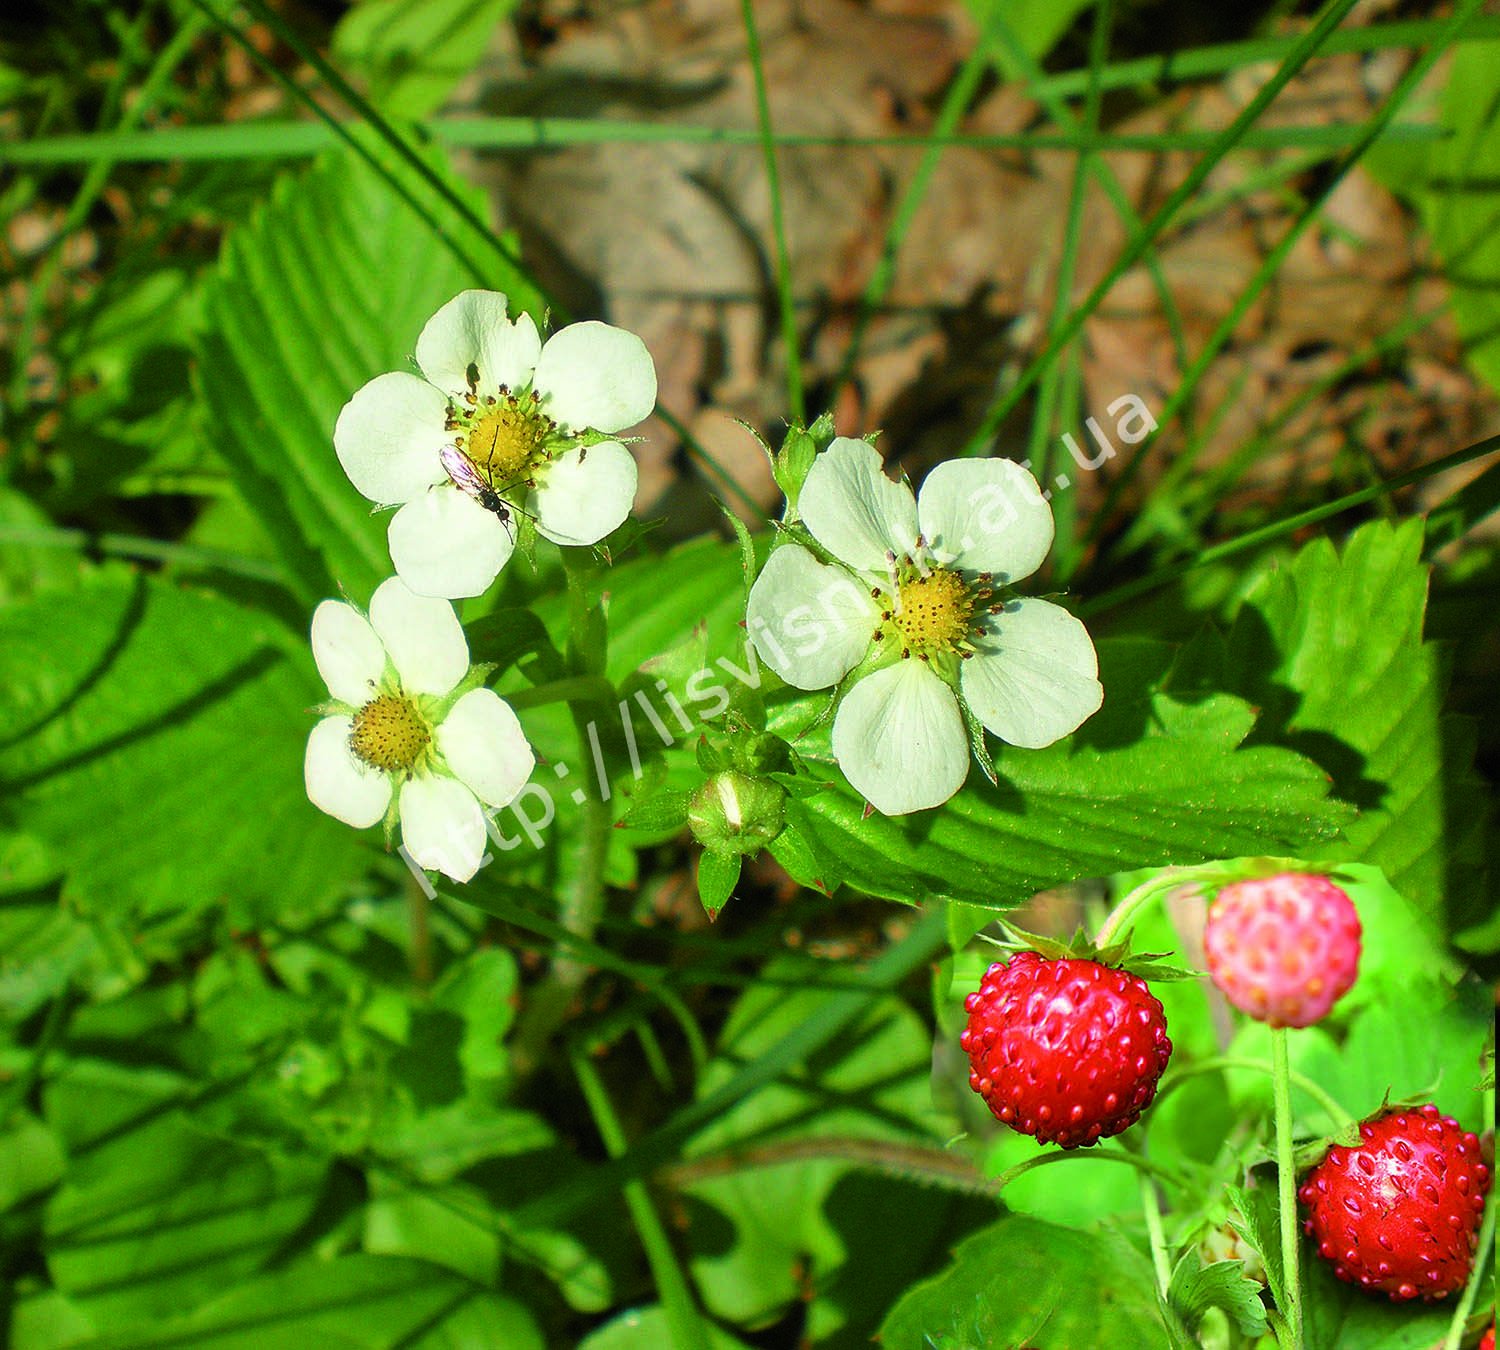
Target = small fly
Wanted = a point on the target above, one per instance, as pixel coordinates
(467, 479)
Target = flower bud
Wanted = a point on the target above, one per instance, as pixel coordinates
(734, 813)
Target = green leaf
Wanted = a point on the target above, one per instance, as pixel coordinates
(1454, 186)
(28, 563)
(1196, 1288)
(1026, 1282)
(813, 1214)
(1154, 778)
(164, 1216)
(374, 1302)
(451, 1226)
(481, 989)
(647, 1329)
(152, 738)
(411, 53)
(31, 1159)
(1330, 648)
(327, 286)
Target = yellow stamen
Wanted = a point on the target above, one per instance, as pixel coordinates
(934, 612)
(390, 734)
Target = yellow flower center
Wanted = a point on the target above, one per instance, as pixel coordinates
(390, 734)
(934, 612)
(507, 437)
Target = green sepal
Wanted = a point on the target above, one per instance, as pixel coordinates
(657, 812)
(791, 465)
(718, 874)
(1213, 877)
(980, 750)
(795, 852)
(747, 545)
(713, 757)
(1117, 955)
(526, 536)
(333, 707)
(477, 676)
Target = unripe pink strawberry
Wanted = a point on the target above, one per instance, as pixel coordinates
(1284, 948)
(1066, 1049)
(1399, 1212)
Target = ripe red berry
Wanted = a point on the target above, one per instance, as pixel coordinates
(1488, 1343)
(1067, 1050)
(1284, 949)
(1399, 1212)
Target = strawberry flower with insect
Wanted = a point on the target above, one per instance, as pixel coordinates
(497, 425)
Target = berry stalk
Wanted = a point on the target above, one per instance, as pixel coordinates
(1286, 1185)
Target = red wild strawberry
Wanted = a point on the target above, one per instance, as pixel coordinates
(1283, 949)
(1399, 1212)
(1488, 1343)
(1067, 1050)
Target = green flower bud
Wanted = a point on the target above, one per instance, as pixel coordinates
(734, 813)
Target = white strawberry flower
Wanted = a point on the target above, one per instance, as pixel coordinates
(411, 734)
(497, 422)
(910, 607)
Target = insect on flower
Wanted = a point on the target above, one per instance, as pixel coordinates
(467, 478)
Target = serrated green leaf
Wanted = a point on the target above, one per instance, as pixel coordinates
(1330, 648)
(1027, 1282)
(327, 286)
(153, 738)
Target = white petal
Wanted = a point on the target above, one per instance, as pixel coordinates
(442, 825)
(854, 510)
(338, 782)
(585, 494)
(349, 655)
(446, 544)
(593, 375)
(474, 328)
(388, 436)
(1033, 677)
(423, 636)
(482, 740)
(985, 515)
(900, 740)
(811, 623)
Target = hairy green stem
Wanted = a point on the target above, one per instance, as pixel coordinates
(1151, 1206)
(1286, 1186)
(1317, 1092)
(1153, 888)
